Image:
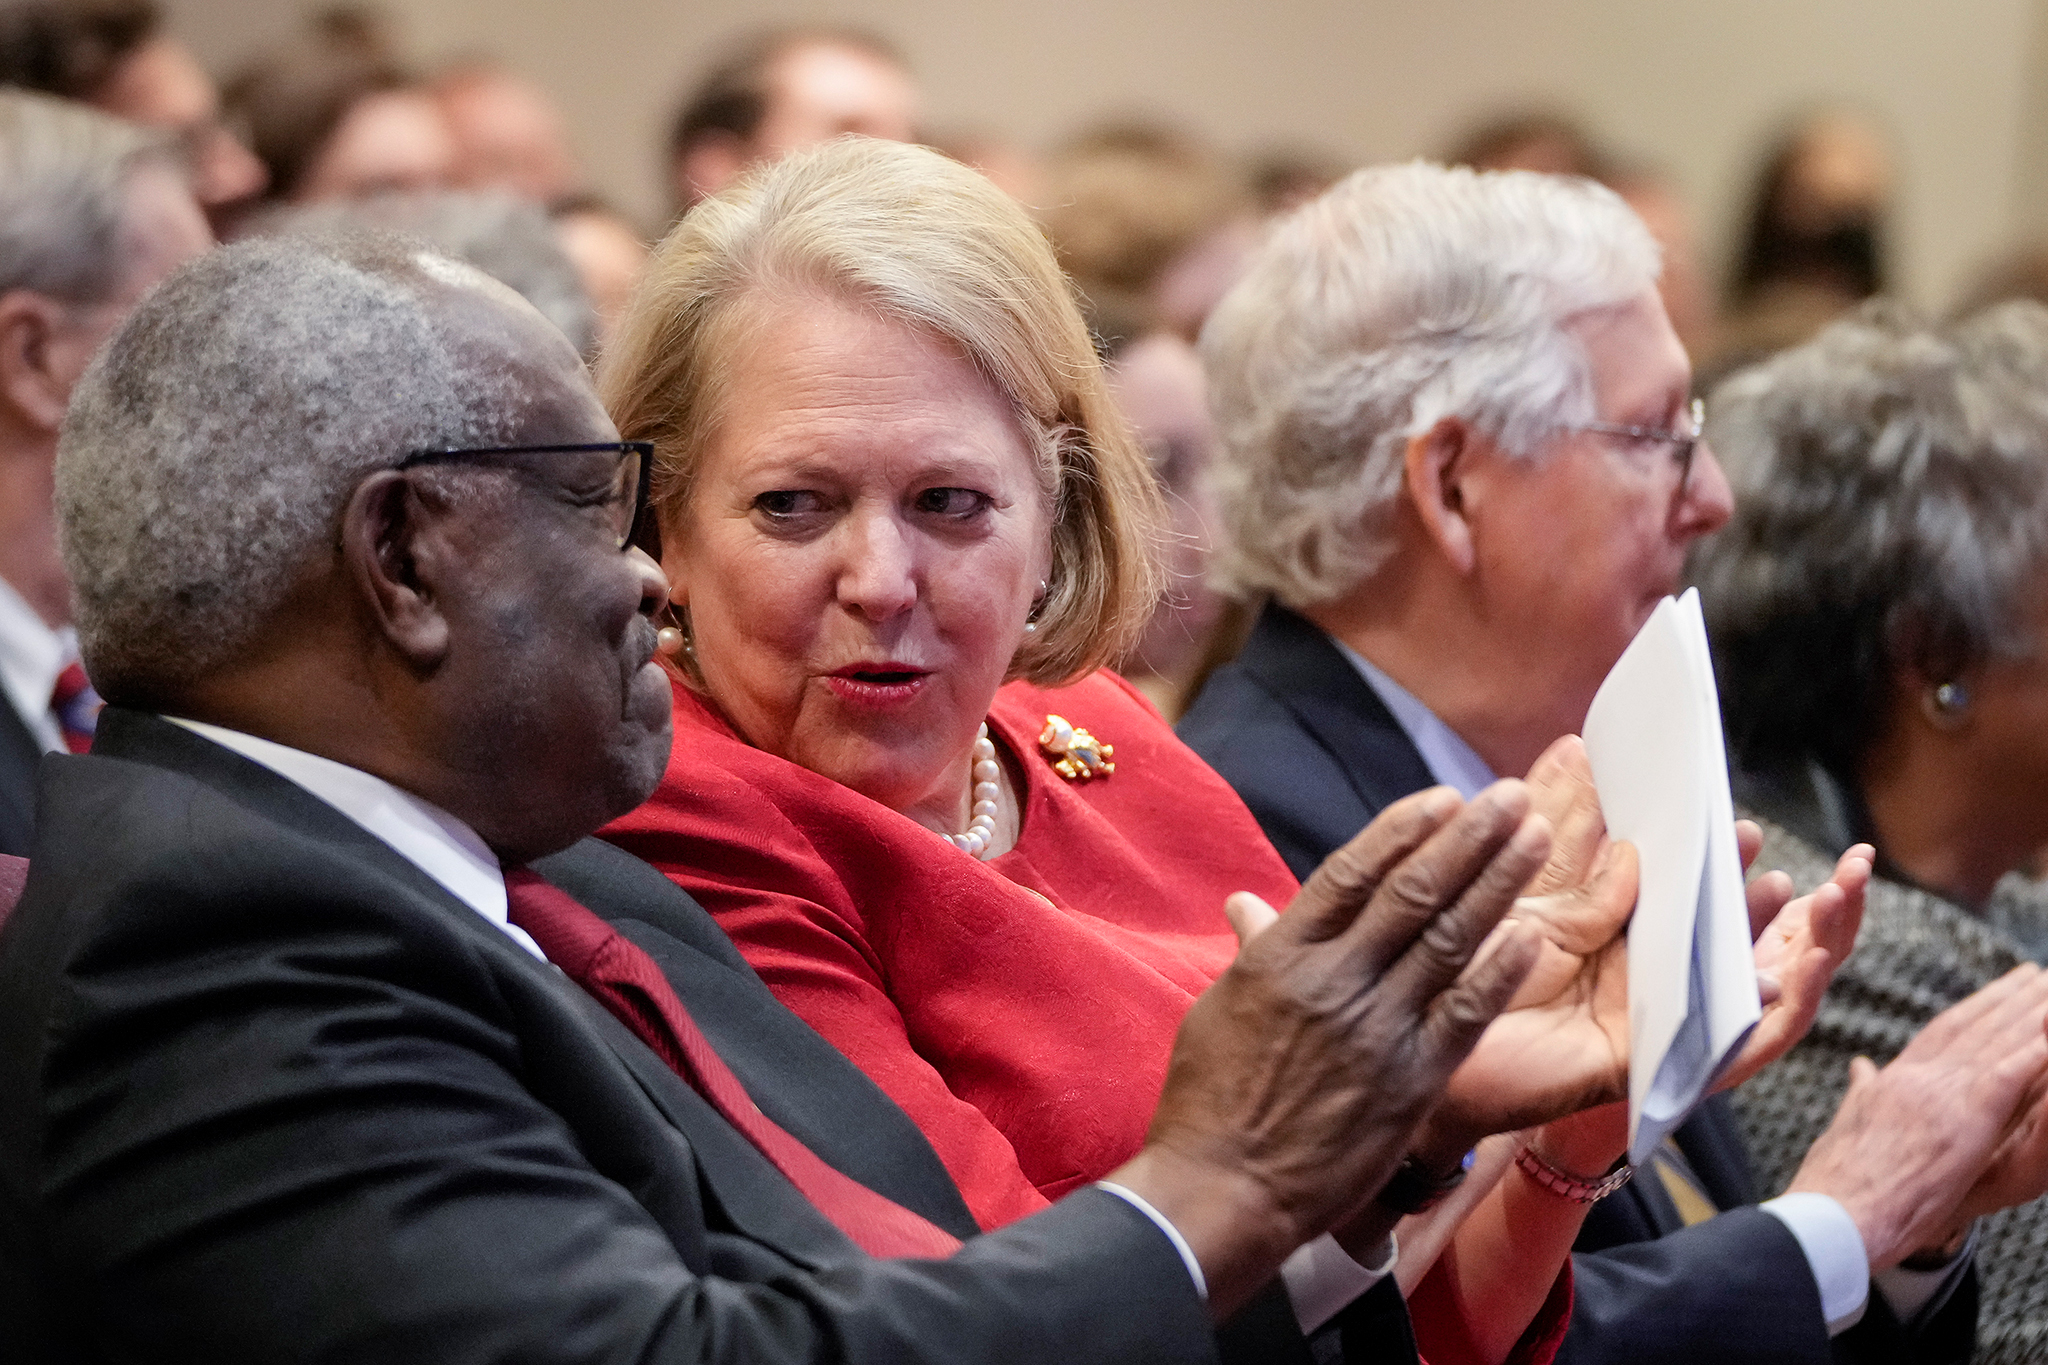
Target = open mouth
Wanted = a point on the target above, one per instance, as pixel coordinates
(878, 683)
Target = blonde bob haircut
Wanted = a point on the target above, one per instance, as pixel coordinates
(927, 242)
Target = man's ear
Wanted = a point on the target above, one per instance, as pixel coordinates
(393, 555)
(31, 381)
(1433, 480)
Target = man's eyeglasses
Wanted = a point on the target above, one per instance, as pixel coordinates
(1683, 444)
(629, 487)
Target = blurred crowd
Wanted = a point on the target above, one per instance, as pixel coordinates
(1364, 476)
(1151, 220)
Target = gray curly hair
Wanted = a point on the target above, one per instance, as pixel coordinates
(211, 444)
(1405, 294)
(1891, 511)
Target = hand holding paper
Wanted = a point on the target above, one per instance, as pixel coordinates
(1562, 1043)
(1653, 736)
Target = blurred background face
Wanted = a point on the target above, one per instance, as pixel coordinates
(821, 92)
(865, 540)
(391, 140)
(610, 256)
(508, 136)
(160, 85)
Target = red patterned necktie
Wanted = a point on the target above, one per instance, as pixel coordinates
(627, 982)
(76, 706)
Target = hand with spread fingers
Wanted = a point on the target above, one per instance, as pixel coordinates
(1562, 1045)
(1799, 944)
(1298, 1080)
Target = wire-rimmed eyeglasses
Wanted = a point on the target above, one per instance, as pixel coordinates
(1684, 444)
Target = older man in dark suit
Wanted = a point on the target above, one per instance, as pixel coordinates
(312, 1047)
(93, 211)
(1462, 460)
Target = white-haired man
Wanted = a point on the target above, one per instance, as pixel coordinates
(308, 1050)
(93, 212)
(1461, 459)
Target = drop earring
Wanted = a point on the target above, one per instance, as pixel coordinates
(673, 640)
(1037, 605)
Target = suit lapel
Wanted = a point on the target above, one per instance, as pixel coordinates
(755, 1198)
(1292, 659)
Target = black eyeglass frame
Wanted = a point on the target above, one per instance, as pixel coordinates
(1684, 444)
(644, 449)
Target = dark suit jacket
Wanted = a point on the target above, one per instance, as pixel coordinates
(1314, 752)
(268, 1093)
(19, 757)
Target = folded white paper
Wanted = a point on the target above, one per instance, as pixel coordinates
(1654, 738)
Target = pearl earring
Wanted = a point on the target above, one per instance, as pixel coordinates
(1037, 605)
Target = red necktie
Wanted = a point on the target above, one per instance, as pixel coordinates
(627, 982)
(76, 706)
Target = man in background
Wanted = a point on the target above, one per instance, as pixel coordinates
(783, 90)
(1461, 459)
(93, 211)
(114, 55)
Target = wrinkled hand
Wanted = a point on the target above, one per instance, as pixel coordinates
(2017, 1172)
(1913, 1142)
(1299, 1079)
(1562, 1044)
(1800, 945)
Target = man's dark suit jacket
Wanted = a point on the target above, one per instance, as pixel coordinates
(269, 1093)
(1316, 755)
(19, 756)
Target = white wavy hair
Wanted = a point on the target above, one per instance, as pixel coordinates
(1404, 295)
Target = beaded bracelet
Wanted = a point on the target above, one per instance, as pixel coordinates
(1568, 1186)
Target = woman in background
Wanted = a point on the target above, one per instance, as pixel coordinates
(1879, 612)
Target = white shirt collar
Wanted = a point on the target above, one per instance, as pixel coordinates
(424, 835)
(31, 657)
(1448, 757)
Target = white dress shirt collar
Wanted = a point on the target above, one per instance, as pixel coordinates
(31, 657)
(1448, 757)
(423, 834)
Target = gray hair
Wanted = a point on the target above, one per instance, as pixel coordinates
(64, 172)
(212, 443)
(1404, 295)
(509, 239)
(1891, 510)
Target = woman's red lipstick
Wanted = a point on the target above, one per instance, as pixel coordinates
(879, 685)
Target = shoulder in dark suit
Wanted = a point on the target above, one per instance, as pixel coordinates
(1315, 754)
(268, 1092)
(19, 757)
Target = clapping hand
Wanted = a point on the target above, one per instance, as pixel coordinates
(1799, 944)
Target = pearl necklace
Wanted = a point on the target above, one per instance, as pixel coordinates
(981, 825)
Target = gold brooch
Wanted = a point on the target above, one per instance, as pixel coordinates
(1076, 755)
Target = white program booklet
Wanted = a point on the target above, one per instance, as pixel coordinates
(1654, 738)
